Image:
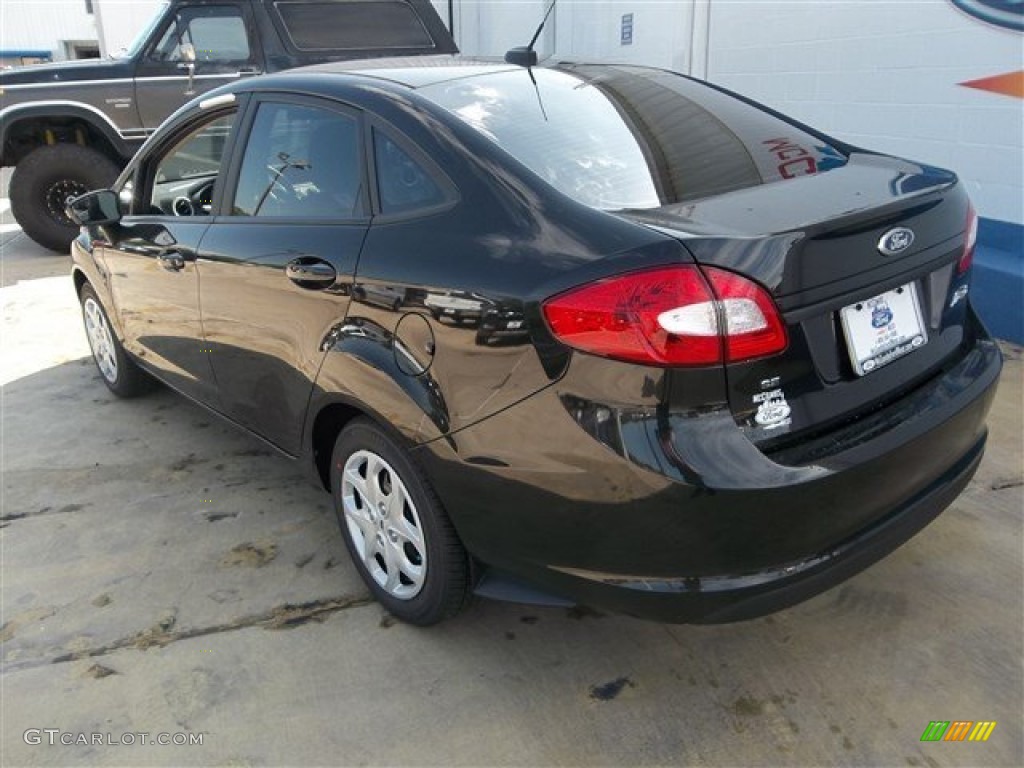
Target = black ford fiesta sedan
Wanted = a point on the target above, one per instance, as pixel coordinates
(601, 333)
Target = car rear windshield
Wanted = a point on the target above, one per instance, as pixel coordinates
(621, 137)
(363, 25)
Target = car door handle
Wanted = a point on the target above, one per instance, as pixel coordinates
(310, 274)
(172, 261)
(248, 71)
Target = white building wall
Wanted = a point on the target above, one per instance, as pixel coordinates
(579, 29)
(885, 75)
(660, 32)
(487, 28)
(44, 25)
(119, 21)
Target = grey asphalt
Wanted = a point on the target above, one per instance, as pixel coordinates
(164, 573)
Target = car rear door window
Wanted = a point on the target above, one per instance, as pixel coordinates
(403, 184)
(301, 162)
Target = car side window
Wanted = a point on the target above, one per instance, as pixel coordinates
(184, 177)
(301, 162)
(402, 183)
(217, 32)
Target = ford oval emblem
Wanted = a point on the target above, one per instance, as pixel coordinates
(896, 241)
(1008, 14)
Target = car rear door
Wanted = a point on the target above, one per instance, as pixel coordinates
(277, 265)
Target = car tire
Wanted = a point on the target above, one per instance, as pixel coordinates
(395, 528)
(119, 372)
(44, 178)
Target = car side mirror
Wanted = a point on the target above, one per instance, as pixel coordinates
(99, 207)
(188, 53)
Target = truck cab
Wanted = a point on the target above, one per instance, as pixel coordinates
(70, 127)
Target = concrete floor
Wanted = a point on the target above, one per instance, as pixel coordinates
(163, 573)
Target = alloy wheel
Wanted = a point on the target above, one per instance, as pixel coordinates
(100, 339)
(384, 524)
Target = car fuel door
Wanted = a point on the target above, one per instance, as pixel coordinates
(277, 268)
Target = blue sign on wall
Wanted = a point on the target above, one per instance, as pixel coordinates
(626, 32)
(1002, 13)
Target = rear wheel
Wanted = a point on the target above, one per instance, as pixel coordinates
(45, 179)
(397, 532)
(120, 373)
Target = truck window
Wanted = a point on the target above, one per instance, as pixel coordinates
(301, 162)
(217, 32)
(369, 24)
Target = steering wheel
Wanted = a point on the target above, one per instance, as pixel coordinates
(196, 201)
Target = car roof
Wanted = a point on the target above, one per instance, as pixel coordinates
(411, 71)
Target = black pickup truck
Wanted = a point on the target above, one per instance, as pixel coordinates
(68, 128)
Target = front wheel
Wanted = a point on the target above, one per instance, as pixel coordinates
(120, 373)
(395, 529)
(45, 179)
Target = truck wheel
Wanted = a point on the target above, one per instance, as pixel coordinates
(43, 181)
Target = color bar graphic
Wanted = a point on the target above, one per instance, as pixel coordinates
(935, 731)
(958, 730)
(982, 730)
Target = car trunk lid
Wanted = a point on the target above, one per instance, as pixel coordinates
(814, 243)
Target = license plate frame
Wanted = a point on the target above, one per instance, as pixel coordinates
(884, 328)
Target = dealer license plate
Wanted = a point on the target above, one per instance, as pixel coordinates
(883, 328)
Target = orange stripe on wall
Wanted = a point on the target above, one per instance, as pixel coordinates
(1009, 84)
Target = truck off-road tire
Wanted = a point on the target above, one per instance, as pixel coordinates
(43, 181)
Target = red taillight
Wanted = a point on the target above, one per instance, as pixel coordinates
(754, 327)
(970, 240)
(669, 316)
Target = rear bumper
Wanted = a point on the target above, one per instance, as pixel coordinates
(725, 599)
(687, 521)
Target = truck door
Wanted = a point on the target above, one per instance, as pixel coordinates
(226, 47)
